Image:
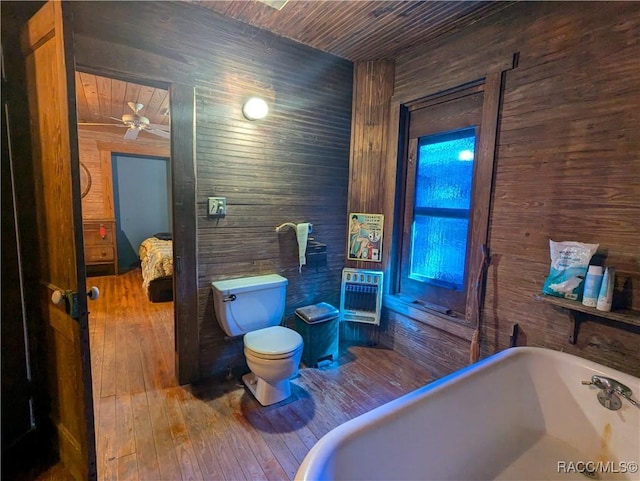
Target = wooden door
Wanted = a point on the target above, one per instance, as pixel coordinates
(50, 84)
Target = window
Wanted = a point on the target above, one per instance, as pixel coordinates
(446, 198)
(441, 208)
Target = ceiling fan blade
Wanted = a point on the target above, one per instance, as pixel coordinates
(159, 133)
(131, 134)
(166, 128)
(113, 118)
(92, 124)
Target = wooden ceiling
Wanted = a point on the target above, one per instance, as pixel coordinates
(102, 100)
(359, 30)
(356, 30)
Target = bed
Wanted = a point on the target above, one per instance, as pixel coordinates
(156, 262)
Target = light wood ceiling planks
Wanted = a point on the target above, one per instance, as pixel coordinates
(101, 100)
(358, 30)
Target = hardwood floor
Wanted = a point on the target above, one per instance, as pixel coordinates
(148, 427)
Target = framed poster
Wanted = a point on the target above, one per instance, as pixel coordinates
(365, 237)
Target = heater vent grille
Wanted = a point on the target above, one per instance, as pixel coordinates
(361, 296)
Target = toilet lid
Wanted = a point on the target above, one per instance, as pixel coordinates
(276, 340)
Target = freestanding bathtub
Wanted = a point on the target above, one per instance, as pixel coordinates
(521, 414)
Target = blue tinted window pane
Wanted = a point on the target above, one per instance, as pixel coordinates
(439, 246)
(444, 181)
(445, 170)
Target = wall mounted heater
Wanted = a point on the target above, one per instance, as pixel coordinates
(361, 296)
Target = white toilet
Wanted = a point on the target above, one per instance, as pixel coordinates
(254, 306)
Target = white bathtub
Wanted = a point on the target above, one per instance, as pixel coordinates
(522, 414)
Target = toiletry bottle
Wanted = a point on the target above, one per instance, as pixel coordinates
(606, 290)
(592, 286)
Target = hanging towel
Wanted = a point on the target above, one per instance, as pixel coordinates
(302, 233)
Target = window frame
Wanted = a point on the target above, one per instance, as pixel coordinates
(466, 307)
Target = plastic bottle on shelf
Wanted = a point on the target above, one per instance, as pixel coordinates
(592, 285)
(605, 296)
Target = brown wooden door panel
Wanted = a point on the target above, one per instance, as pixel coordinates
(59, 236)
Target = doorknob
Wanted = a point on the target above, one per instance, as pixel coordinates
(70, 299)
(57, 297)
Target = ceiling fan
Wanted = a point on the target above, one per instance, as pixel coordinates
(136, 122)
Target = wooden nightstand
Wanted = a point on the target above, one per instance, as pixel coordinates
(100, 243)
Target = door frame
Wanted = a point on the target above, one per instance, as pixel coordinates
(183, 184)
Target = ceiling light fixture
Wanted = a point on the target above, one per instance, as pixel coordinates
(277, 4)
(255, 108)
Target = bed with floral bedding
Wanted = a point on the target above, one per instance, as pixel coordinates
(156, 262)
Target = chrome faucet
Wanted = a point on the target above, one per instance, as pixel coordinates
(610, 389)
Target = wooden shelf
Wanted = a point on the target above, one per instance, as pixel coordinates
(579, 313)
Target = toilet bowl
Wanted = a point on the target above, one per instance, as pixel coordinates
(273, 355)
(254, 307)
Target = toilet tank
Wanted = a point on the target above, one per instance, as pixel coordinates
(246, 304)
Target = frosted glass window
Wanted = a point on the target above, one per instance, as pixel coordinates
(444, 176)
(439, 250)
(443, 179)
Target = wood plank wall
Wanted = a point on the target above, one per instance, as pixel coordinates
(290, 167)
(95, 148)
(568, 168)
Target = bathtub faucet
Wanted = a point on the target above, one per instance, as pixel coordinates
(610, 389)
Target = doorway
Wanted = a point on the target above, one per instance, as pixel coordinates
(142, 201)
(123, 139)
(181, 150)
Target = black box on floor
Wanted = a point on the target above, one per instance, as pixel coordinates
(319, 326)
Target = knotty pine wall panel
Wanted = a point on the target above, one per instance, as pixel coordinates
(290, 167)
(92, 203)
(567, 166)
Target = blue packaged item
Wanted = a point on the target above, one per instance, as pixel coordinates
(569, 264)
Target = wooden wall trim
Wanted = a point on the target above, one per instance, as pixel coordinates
(446, 77)
(185, 251)
(432, 319)
(139, 65)
(482, 199)
(107, 184)
(394, 157)
(132, 148)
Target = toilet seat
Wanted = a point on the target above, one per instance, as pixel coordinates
(275, 342)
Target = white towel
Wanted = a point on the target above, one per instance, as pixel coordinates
(302, 233)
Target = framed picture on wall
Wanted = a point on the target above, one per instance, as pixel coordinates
(365, 237)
